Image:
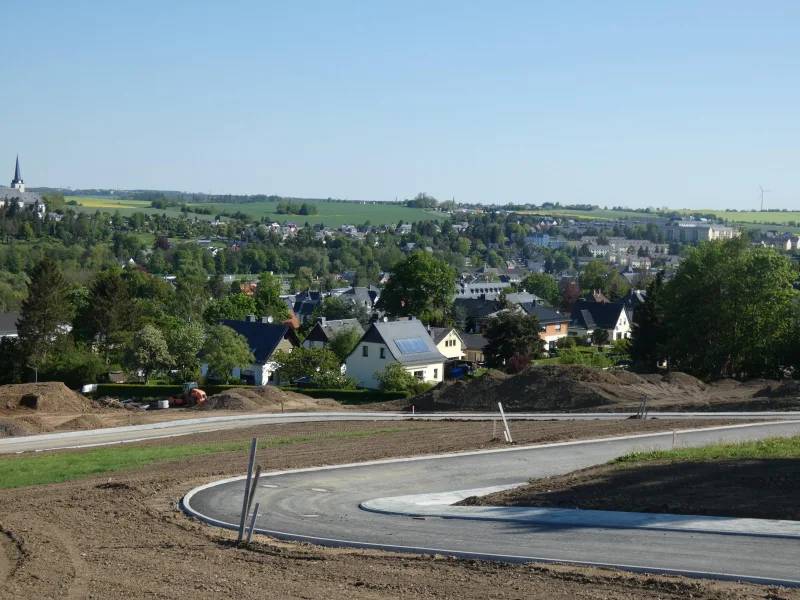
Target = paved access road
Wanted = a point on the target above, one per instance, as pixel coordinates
(135, 433)
(322, 506)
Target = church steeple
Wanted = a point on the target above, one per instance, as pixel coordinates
(17, 182)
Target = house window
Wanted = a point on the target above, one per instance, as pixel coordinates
(383, 352)
(436, 373)
(419, 375)
(558, 326)
(365, 350)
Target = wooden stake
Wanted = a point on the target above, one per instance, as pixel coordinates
(508, 432)
(253, 448)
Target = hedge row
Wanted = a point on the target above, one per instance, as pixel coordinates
(135, 390)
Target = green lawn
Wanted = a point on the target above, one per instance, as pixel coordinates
(777, 447)
(23, 471)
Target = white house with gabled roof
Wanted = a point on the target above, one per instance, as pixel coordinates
(405, 341)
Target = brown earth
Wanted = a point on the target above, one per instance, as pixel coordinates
(747, 488)
(266, 398)
(578, 388)
(123, 537)
(50, 397)
(30, 409)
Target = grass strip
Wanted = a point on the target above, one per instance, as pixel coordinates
(775, 447)
(23, 471)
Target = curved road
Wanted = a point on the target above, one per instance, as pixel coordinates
(136, 433)
(322, 506)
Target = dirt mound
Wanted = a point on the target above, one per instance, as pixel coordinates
(109, 402)
(229, 400)
(682, 380)
(263, 398)
(628, 378)
(784, 389)
(22, 426)
(82, 423)
(551, 387)
(49, 397)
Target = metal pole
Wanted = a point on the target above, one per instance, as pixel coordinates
(253, 447)
(252, 523)
(253, 486)
(674, 436)
(494, 429)
(502, 414)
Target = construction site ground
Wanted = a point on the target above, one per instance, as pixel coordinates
(561, 388)
(122, 536)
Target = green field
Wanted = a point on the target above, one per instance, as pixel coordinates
(777, 447)
(749, 220)
(91, 204)
(590, 214)
(23, 471)
(332, 214)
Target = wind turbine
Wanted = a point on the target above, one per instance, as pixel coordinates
(763, 191)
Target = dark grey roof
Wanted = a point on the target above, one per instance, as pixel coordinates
(546, 315)
(596, 314)
(325, 329)
(439, 333)
(411, 335)
(362, 295)
(473, 342)
(8, 323)
(262, 338)
(476, 308)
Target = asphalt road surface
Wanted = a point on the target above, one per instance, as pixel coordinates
(135, 433)
(322, 506)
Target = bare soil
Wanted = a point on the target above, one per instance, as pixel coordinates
(578, 388)
(35, 408)
(123, 536)
(748, 488)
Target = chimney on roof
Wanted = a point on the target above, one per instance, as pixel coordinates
(266, 319)
(321, 320)
(411, 318)
(250, 318)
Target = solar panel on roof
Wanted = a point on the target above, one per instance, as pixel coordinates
(411, 346)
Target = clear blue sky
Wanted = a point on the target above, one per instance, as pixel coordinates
(681, 104)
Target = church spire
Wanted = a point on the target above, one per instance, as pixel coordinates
(17, 182)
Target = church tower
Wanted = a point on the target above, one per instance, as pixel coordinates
(17, 182)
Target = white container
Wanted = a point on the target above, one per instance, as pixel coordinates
(163, 404)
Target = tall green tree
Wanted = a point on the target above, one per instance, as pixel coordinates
(110, 312)
(45, 313)
(148, 352)
(304, 362)
(184, 342)
(342, 308)
(730, 310)
(343, 342)
(594, 276)
(268, 298)
(649, 335)
(511, 333)
(420, 285)
(235, 308)
(543, 285)
(224, 350)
